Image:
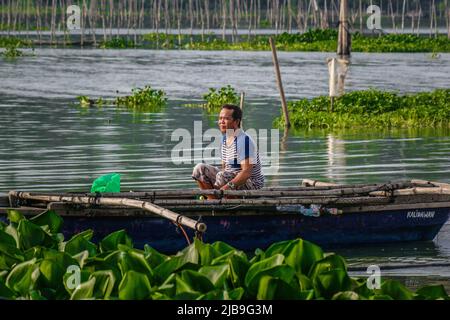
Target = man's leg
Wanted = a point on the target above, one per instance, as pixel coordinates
(205, 175)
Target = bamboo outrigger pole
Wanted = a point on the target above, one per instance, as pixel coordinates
(148, 206)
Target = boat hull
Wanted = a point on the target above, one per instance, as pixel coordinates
(259, 231)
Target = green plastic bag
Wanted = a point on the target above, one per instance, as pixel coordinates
(107, 183)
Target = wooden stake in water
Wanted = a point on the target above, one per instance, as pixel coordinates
(344, 38)
(241, 105)
(279, 83)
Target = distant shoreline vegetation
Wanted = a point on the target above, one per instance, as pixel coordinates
(371, 109)
(322, 40)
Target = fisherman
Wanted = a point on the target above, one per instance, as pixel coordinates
(241, 166)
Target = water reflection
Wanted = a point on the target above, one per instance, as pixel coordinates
(336, 159)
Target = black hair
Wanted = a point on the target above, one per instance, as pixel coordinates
(237, 112)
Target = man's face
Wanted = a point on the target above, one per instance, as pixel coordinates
(226, 121)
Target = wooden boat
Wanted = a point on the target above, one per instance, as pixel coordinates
(413, 210)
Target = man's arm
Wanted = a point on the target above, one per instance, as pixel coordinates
(242, 177)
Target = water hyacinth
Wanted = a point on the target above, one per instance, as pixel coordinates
(36, 262)
(324, 40)
(144, 99)
(372, 108)
(215, 98)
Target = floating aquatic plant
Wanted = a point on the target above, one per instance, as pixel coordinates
(12, 52)
(145, 99)
(37, 262)
(372, 108)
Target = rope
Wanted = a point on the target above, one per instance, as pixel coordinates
(183, 231)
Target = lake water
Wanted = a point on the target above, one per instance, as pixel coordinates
(49, 143)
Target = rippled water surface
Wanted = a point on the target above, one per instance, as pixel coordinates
(49, 143)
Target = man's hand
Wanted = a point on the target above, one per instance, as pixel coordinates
(225, 187)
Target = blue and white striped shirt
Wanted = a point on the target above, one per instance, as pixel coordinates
(242, 148)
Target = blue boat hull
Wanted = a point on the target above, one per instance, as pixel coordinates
(259, 231)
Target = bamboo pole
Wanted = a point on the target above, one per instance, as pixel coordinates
(321, 191)
(287, 123)
(412, 191)
(153, 208)
(277, 202)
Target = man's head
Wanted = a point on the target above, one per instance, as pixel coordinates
(230, 117)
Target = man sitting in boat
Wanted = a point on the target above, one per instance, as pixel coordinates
(241, 166)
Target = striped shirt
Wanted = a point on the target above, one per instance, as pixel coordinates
(242, 148)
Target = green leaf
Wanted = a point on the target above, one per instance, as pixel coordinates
(22, 278)
(235, 294)
(81, 258)
(206, 252)
(346, 295)
(238, 266)
(86, 234)
(216, 274)
(134, 260)
(111, 241)
(53, 268)
(192, 282)
(304, 283)
(396, 290)
(5, 292)
(271, 288)
(31, 235)
(12, 231)
(48, 218)
(432, 292)
(300, 254)
(330, 262)
(153, 257)
(273, 266)
(134, 286)
(7, 239)
(36, 295)
(15, 216)
(84, 291)
(104, 283)
(9, 254)
(380, 297)
(222, 247)
(328, 283)
(79, 243)
(182, 260)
